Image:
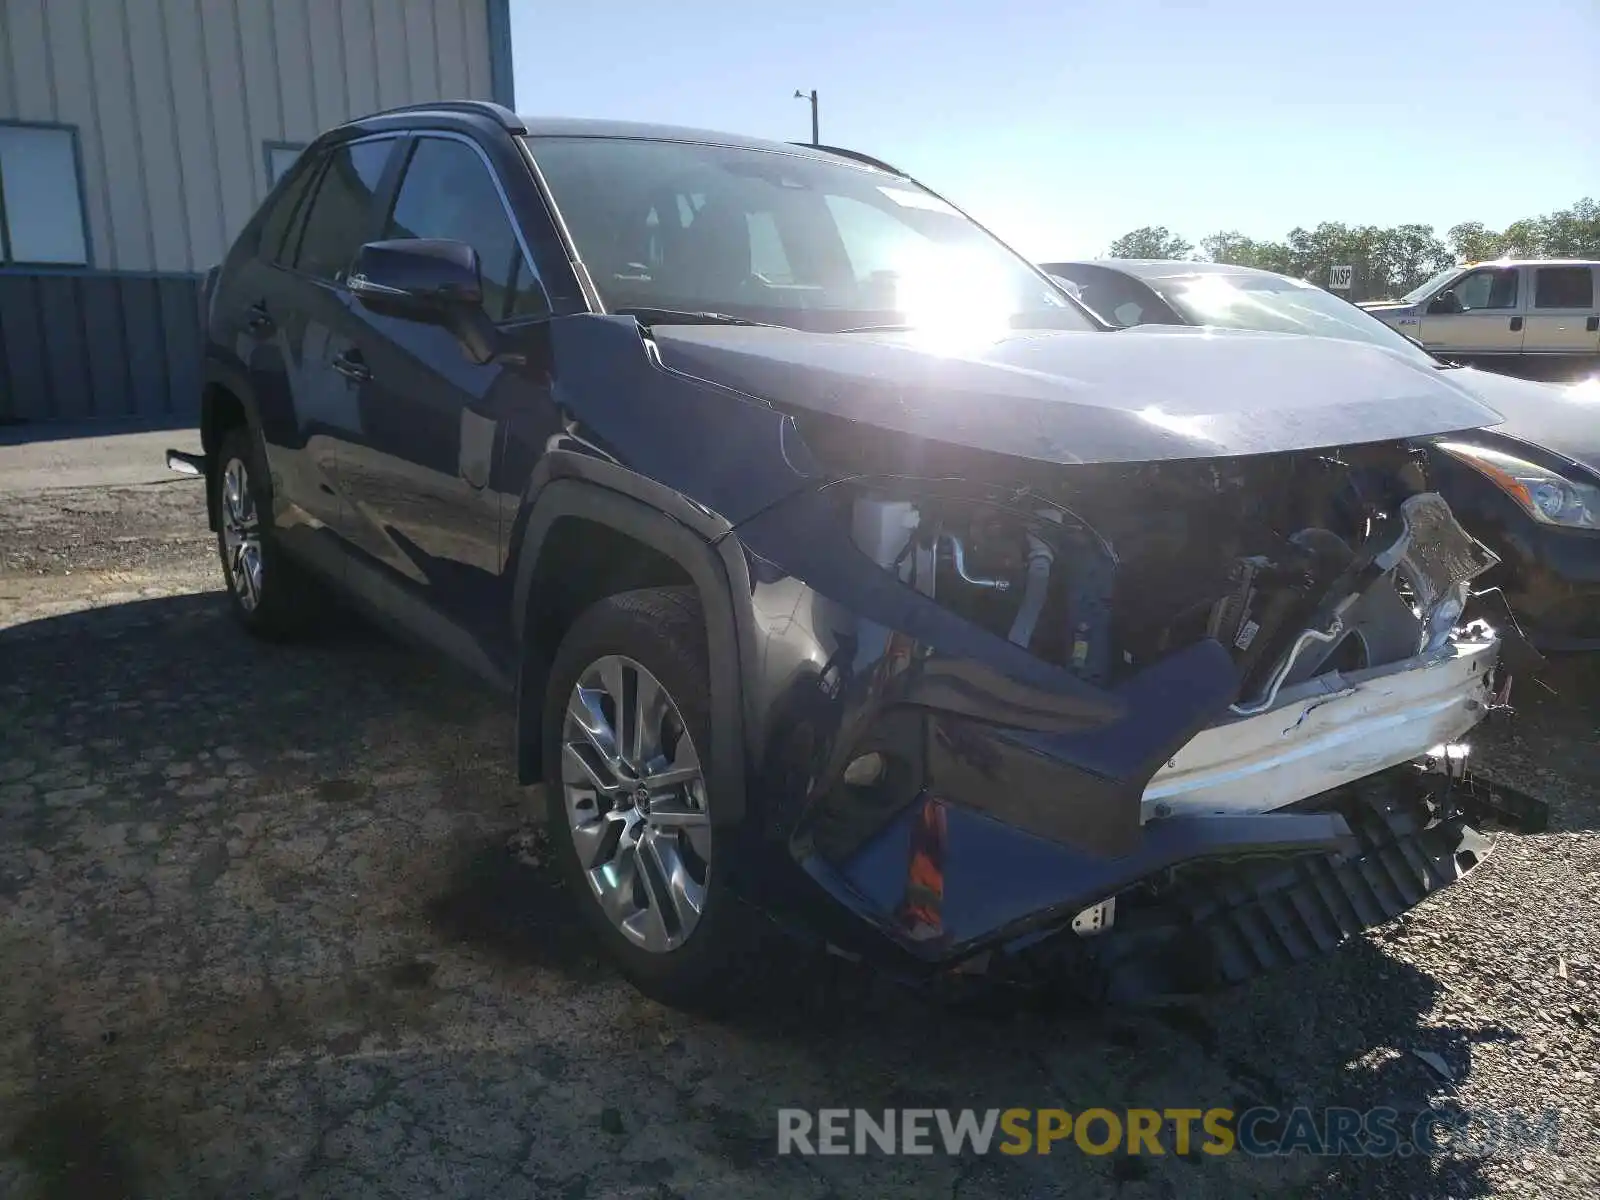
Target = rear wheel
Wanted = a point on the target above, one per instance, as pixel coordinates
(627, 735)
(270, 594)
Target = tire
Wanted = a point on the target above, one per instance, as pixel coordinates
(270, 594)
(651, 636)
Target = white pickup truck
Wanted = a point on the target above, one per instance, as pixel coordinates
(1545, 308)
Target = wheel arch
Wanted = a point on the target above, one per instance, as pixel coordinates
(568, 524)
(225, 403)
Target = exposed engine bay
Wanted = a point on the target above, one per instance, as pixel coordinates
(1300, 564)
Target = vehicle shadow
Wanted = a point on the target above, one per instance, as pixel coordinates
(92, 699)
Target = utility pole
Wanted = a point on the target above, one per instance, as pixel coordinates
(816, 139)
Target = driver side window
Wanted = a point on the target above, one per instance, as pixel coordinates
(447, 192)
(1493, 288)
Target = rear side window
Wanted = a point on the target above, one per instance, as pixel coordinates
(447, 192)
(341, 212)
(1563, 287)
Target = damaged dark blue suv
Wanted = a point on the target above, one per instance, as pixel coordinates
(844, 570)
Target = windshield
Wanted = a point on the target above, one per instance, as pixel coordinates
(1425, 289)
(1277, 304)
(785, 239)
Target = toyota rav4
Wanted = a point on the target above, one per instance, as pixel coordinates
(846, 573)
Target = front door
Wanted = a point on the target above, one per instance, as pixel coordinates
(1563, 319)
(420, 471)
(1491, 319)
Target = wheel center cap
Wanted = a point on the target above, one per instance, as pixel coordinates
(641, 798)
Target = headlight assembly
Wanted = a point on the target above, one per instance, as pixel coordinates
(1548, 497)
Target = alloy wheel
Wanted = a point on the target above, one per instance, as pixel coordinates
(241, 535)
(635, 800)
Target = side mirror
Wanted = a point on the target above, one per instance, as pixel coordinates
(1446, 303)
(430, 280)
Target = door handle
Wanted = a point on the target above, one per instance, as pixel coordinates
(257, 319)
(1516, 324)
(349, 365)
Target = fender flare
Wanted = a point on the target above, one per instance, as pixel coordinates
(569, 497)
(236, 382)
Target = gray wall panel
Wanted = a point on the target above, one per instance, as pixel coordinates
(28, 376)
(180, 321)
(61, 321)
(327, 62)
(30, 63)
(389, 36)
(453, 79)
(361, 57)
(294, 70)
(475, 27)
(173, 101)
(162, 176)
(238, 158)
(113, 140)
(77, 104)
(422, 68)
(105, 345)
(197, 141)
(149, 375)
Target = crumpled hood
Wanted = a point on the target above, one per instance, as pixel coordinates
(1564, 419)
(1146, 393)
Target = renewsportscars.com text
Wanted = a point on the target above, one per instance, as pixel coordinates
(1256, 1132)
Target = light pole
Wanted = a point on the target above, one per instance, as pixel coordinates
(799, 95)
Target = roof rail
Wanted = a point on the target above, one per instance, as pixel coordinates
(483, 108)
(855, 154)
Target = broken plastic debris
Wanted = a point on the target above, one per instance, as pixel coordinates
(1436, 1064)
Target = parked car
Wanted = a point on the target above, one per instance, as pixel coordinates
(1505, 311)
(842, 568)
(1529, 487)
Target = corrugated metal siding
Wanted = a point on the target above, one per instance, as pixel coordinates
(174, 101)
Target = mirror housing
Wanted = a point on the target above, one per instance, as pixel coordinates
(1446, 303)
(430, 280)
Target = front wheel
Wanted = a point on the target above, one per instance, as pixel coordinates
(627, 734)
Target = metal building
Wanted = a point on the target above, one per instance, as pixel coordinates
(137, 137)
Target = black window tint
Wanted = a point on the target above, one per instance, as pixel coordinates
(1563, 287)
(285, 208)
(341, 213)
(447, 192)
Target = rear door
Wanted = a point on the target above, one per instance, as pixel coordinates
(1494, 300)
(420, 468)
(1563, 319)
(290, 311)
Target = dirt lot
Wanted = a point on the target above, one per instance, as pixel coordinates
(270, 927)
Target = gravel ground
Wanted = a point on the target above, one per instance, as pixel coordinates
(277, 923)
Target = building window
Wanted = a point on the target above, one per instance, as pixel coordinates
(41, 197)
(280, 157)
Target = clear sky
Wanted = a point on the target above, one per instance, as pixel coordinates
(1062, 123)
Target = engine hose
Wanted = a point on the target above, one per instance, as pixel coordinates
(1034, 590)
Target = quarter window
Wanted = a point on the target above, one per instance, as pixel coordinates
(41, 197)
(1492, 289)
(1563, 287)
(280, 157)
(285, 208)
(340, 215)
(448, 193)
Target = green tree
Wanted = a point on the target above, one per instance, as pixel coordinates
(1151, 241)
(1233, 247)
(1470, 241)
